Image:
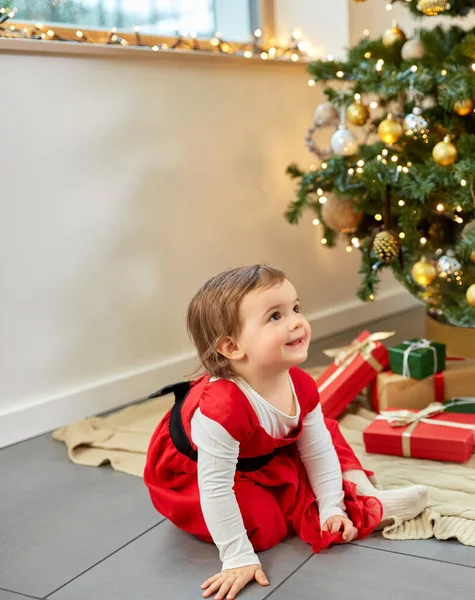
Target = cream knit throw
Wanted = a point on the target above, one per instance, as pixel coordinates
(121, 439)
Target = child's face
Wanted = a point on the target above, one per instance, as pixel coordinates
(274, 333)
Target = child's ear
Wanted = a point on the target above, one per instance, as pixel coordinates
(229, 348)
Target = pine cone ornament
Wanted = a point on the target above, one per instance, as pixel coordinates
(386, 246)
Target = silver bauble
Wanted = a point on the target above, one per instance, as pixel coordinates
(414, 123)
(344, 142)
(448, 265)
(413, 50)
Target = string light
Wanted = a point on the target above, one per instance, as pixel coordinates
(294, 57)
(351, 171)
(340, 74)
(405, 170)
(359, 170)
(360, 163)
(402, 235)
(349, 248)
(330, 58)
(264, 55)
(371, 297)
(316, 222)
(389, 6)
(248, 54)
(401, 203)
(463, 182)
(458, 219)
(311, 82)
(443, 72)
(257, 33)
(440, 207)
(322, 199)
(355, 241)
(324, 241)
(367, 55)
(473, 66)
(423, 241)
(394, 158)
(385, 152)
(373, 104)
(320, 192)
(324, 165)
(414, 69)
(378, 217)
(366, 32)
(459, 209)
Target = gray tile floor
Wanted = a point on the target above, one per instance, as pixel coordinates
(78, 533)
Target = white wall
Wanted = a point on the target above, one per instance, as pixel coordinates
(126, 183)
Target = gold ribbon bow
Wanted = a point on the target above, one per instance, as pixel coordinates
(344, 355)
(406, 418)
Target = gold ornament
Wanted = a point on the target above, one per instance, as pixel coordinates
(424, 272)
(445, 153)
(432, 8)
(393, 35)
(386, 246)
(390, 130)
(340, 215)
(464, 107)
(357, 113)
(470, 295)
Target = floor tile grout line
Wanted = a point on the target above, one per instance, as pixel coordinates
(102, 560)
(19, 594)
(445, 562)
(277, 587)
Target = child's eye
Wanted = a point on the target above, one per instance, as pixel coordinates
(297, 308)
(274, 316)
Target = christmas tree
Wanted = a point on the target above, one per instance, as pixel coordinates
(399, 178)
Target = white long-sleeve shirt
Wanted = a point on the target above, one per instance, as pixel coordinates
(217, 457)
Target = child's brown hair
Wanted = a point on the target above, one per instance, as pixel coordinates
(213, 313)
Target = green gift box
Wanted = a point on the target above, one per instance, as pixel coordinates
(460, 405)
(417, 358)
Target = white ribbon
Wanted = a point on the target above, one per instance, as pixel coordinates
(423, 343)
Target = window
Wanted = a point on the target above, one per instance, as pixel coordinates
(159, 17)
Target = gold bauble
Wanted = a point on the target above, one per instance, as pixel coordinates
(423, 272)
(340, 215)
(445, 153)
(393, 35)
(470, 295)
(386, 246)
(390, 130)
(432, 8)
(357, 113)
(464, 107)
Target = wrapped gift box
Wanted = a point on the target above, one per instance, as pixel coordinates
(460, 405)
(392, 391)
(354, 367)
(417, 358)
(443, 437)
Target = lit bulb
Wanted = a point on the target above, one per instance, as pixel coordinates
(402, 235)
(320, 192)
(366, 32)
(389, 6)
(440, 207)
(258, 33)
(357, 97)
(378, 217)
(359, 170)
(371, 297)
(330, 58)
(294, 57)
(473, 66)
(296, 34)
(324, 241)
(155, 48)
(423, 241)
(409, 164)
(137, 29)
(311, 82)
(459, 208)
(349, 248)
(373, 105)
(414, 69)
(351, 171)
(272, 52)
(248, 54)
(302, 46)
(79, 33)
(313, 168)
(323, 199)
(324, 165)
(394, 158)
(443, 72)
(340, 74)
(264, 55)
(458, 219)
(405, 170)
(401, 203)
(360, 163)
(385, 152)
(114, 30)
(355, 241)
(463, 182)
(316, 222)
(367, 55)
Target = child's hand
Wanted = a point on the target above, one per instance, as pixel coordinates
(337, 523)
(230, 582)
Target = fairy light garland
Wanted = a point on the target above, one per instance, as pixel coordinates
(294, 51)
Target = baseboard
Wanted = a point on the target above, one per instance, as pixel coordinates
(46, 414)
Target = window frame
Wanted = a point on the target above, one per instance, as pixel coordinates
(261, 13)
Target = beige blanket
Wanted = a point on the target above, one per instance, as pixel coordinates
(121, 439)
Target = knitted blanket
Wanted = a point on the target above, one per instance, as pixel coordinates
(121, 439)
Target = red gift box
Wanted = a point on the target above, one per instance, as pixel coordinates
(354, 367)
(429, 434)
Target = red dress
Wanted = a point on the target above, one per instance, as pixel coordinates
(275, 499)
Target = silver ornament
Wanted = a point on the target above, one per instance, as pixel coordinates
(413, 50)
(325, 114)
(344, 142)
(414, 124)
(448, 265)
